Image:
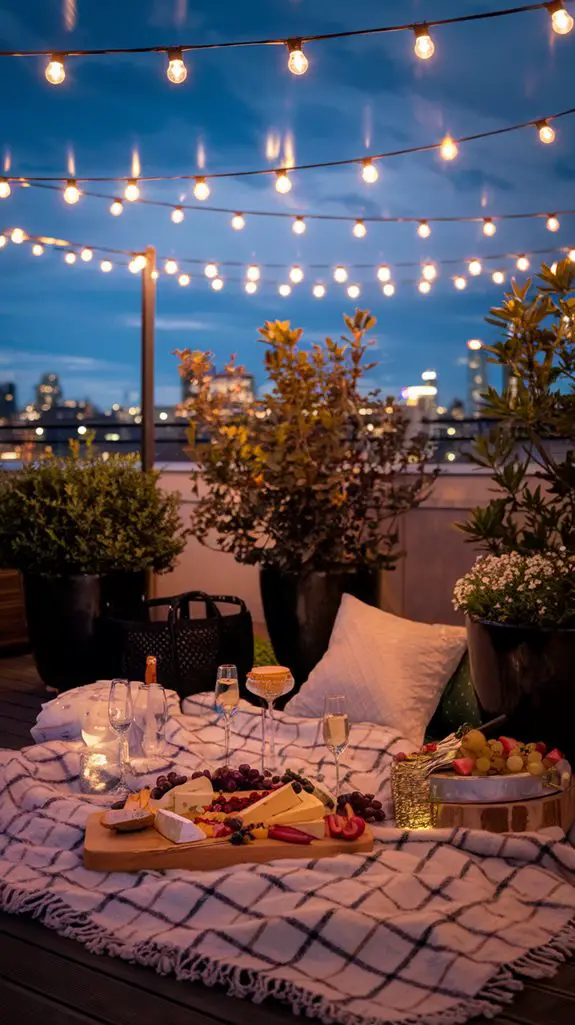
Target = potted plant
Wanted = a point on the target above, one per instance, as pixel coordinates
(521, 602)
(308, 483)
(84, 531)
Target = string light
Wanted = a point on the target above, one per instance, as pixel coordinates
(217, 284)
(571, 255)
(498, 277)
(251, 287)
(296, 275)
(460, 282)
(201, 189)
(184, 280)
(55, 71)
(253, 273)
(116, 207)
(171, 267)
(70, 258)
(424, 47)
(106, 266)
(561, 20)
(354, 291)
(546, 132)
(424, 231)
(18, 236)
(176, 71)
(140, 261)
(132, 190)
(297, 60)
(383, 273)
(154, 275)
(340, 275)
(318, 290)
(388, 289)
(37, 249)
(3, 241)
(71, 192)
(298, 227)
(283, 182)
(522, 263)
(429, 271)
(553, 223)
(489, 227)
(448, 148)
(5, 189)
(424, 287)
(474, 267)
(238, 222)
(134, 266)
(177, 215)
(211, 270)
(359, 229)
(369, 171)
(86, 254)
(284, 290)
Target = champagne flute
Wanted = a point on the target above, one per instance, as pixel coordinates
(227, 700)
(335, 730)
(156, 719)
(120, 716)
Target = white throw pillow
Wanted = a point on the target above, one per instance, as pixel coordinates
(392, 671)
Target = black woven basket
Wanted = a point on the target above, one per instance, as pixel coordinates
(189, 650)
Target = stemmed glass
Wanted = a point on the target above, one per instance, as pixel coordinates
(156, 719)
(227, 700)
(335, 730)
(120, 716)
(269, 683)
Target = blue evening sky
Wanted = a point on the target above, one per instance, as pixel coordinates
(359, 95)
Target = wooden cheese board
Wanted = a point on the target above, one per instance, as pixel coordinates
(519, 816)
(109, 851)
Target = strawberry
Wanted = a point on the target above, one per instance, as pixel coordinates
(541, 747)
(463, 766)
(509, 745)
(553, 757)
(353, 828)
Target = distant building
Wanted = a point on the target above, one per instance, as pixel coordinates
(476, 376)
(236, 392)
(8, 403)
(48, 392)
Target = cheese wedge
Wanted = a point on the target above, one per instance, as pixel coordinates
(198, 793)
(316, 828)
(176, 828)
(307, 809)
(282, 800)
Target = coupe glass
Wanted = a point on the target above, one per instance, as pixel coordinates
(269, 683)
(227, 700)
(335, 730)
(120, 716)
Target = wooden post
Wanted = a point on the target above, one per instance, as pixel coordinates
(147, 359)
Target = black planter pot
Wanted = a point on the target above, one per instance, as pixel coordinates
(526, 674)
(300, 609)
(66, 624)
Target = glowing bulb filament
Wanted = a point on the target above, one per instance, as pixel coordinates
(70, 258)
(238, 222)
(424, 47)
(18, 236)
(177, 215)
(5, 189)
(284, 290)
(251, 287)
(201, 189)
(340, 275)
(561, 20)
(171, 267)
(546, 132)
(359, 229)
(86, 255)
(252, 273)
(297, 60)
(424, 231)
(55, 70)
(553, 223)
(296, 275)
(298, 227)
(388, 289)
(37, 250)
(522, 263)
(474, 267)
(369, 172)
(116, 208)
(383, 273)
(354, 291)
(448, 148)
(211, 270)
(489, 227)
(106, 266)
(132, 191)
(71, 192)
(283, 182)
(318, 291)
(177, 71)
(460, 282)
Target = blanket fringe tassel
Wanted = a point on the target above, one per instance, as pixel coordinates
(243, 983)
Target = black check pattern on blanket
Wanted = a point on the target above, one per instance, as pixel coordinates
(431, 928)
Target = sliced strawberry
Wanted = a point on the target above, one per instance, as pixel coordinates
(554, 756)
(509, 745)
(463, 766)
(353, 828)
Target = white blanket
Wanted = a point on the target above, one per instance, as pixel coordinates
(431, 928)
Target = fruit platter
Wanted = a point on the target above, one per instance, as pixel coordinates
(212, 820)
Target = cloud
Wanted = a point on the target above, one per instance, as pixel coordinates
(167, 323)
(18, 358)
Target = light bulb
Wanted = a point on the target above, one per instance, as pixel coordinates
(238, 222)
(3, 241)
(86, 254)
(296, 275)
(297, 60)
(353, 291)
(71, 192)
(546, 132)
(250, 287)
(140, 261)
(424, 231)
(132, 191)
(424, 287)
(571, 255)
(283, 182)
(284, 290)
(116, 208)
(474, 267)
(359, 229)
(561, 20)
(106, 266)
(211, 270)
(429, 271)
(18, 236)
(369, 172)
(55, 70)
(389, 289)
(424, 47)
(154, 275)
(171, 267)
(134, 266)
(340, 275)
(383, 273)
(553, 223)
(177, 215)
(298, 227)
(498, 277)
(184, 280)
(522, 263)
(217, 284)
(489, 227)
(253, 273)
(70, 258)
(5, 189)
(37, 250)
(318, 291)
(448, 148)
(201, 189)
(460, 282)
(176, 71)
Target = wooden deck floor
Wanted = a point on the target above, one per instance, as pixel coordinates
(48, 980)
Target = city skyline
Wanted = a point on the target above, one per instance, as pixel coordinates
(358, 96)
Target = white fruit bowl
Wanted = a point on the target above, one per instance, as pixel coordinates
(521, 786)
